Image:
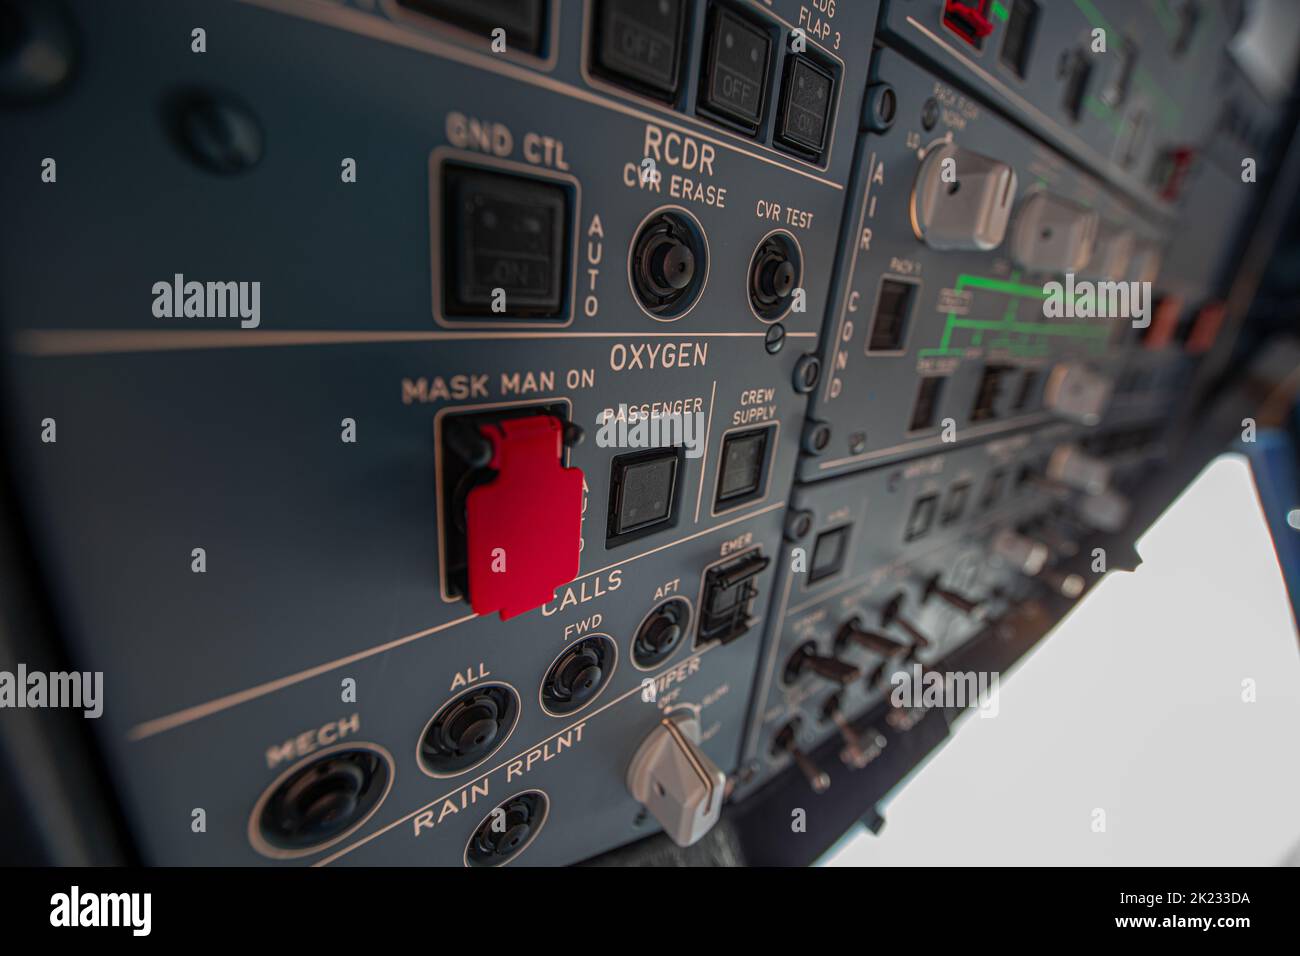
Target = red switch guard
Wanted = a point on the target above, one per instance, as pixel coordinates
(524, 527)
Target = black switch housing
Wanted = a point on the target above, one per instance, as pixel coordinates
(505, 232)
(807, 94)
(734, 85)
(642, 493)
(638, 44)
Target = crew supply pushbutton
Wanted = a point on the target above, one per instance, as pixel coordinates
(676, 781)
(524, 526)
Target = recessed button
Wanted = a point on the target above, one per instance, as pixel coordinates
(638, 43)
(503, 233)
(829, 553)
(642, 491)
(922, 516)
(744, 456)
(805, 105)
(735, 77)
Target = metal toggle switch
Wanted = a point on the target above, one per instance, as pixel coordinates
(676, 781)
(858, 750)
(1075, 468)
(806, 660)
(1030, 557)
(852, 632)
(1024, 554)
(891, 613)
(954, 600)
(1106, 511)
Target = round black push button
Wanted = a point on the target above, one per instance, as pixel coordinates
(674, 265)
(773, 276)
(661, 633)
(322, 799)
(468, 728)
(668, 264)
(578, 675)
(508, 830)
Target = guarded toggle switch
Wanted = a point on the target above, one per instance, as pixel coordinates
(786, 742)
(1076, 392)
(1076, 469)
(523, 526)
(1053, 235)
(962, 200)
(676, 781)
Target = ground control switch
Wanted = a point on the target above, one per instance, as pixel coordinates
(523, 526)
(676, 781)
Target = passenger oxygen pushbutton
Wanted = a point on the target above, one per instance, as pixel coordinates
(523, 525)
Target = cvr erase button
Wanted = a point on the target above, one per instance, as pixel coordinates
(523, 526)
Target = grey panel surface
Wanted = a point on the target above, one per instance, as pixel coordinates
(323, 556)
(962, 317)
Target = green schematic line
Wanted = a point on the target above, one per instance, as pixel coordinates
(1170, 112)
(1165, 17)
(1007, 324)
